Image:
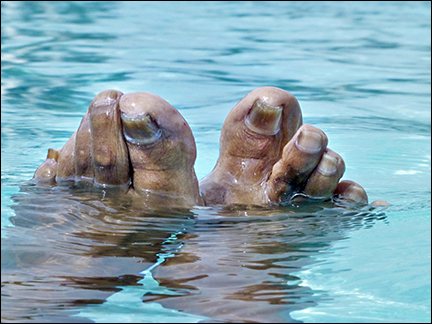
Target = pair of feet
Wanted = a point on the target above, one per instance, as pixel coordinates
(140, 142)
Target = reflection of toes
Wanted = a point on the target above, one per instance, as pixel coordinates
(161, 147)
(352, 192)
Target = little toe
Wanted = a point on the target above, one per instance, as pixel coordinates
(352, 192)
(299, 159)
(325, 178)
(46, 173)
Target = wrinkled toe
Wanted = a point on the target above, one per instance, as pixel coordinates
(325, 177)
(96, 153)
(252, 138)
(108, 148)
(260, 124)
(161, 146)
(299, 159)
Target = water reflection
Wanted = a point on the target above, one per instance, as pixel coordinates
(71, 247)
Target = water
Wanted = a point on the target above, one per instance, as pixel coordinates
(361, 72)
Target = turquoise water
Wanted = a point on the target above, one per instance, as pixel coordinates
(361, 72)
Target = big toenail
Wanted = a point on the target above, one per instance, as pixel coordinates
(309, 142)
(327, 165)
(140, 130)
(264, 119)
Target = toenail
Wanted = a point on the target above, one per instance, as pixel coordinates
(327, 165)
(264, 119)
(309, 142)
(53, 154)
(140, 130)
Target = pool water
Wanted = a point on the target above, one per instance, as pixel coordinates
(361, 72)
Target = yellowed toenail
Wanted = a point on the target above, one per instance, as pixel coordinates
(264, 119)
(327, 165)
(53, 154)
(140, 130)
(309, 142)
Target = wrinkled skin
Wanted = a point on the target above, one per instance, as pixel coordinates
(78, 246)
(136, 141)
(141, 143)
(267, 155)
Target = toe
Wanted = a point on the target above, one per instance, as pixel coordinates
(108, 148)
(66, 167)
(161, 146)
(352, 192)
(96, 152)
(299, 159)
(324, 179)
(260, 124)
(83, 163)
(252, 138)
(46, 173)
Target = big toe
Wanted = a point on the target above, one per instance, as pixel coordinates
(161, 147)
(261, 124)
(252, 138)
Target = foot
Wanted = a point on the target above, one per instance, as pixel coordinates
(137, 141)
(268, 157)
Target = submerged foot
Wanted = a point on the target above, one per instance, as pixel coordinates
(136, 140)
(140, 142)
(268, 157)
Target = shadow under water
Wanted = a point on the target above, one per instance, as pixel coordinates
(73, 250)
